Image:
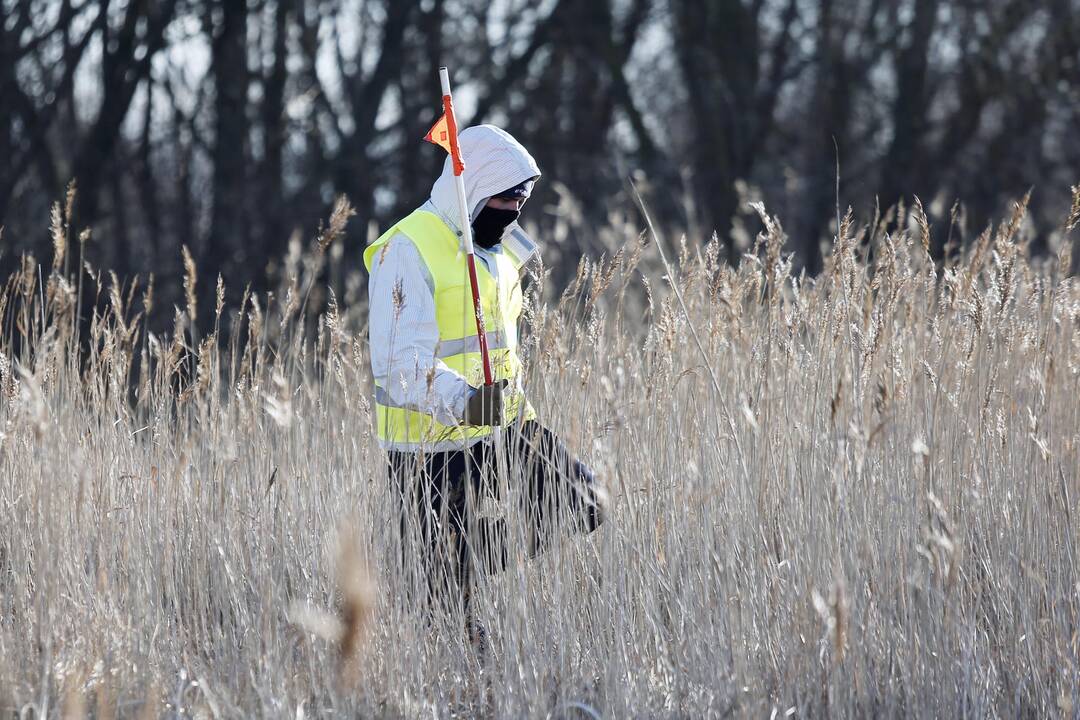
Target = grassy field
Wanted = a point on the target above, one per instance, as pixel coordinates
(849, 496)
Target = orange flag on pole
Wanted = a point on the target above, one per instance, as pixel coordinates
(444, 134)
(439, 134)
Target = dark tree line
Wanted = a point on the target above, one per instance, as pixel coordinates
(226, 125)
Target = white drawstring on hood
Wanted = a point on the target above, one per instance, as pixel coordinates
(494, 162)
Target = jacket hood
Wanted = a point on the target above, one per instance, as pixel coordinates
(494, 162)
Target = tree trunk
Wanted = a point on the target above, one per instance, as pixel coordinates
(832, 108)
(274, 229)
(228, 225)
(905, 159)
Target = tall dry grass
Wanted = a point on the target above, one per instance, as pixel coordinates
(855, 495)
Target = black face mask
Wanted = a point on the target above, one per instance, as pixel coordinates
(490, 224)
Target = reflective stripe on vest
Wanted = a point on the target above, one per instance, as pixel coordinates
(401, 428)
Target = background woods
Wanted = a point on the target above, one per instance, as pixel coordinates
(227, 126)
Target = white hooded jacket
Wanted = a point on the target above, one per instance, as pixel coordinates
(403, 340)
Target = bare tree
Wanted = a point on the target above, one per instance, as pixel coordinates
(733, 79)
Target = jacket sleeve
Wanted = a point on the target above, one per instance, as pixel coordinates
(403, 334)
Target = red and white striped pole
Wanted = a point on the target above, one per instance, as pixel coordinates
(465, 223)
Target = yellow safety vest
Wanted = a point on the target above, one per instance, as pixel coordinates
(401, 428)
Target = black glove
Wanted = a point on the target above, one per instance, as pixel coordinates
(485, 405)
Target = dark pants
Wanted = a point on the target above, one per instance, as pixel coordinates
(439, 494)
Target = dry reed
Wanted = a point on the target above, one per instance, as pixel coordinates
(883, 524)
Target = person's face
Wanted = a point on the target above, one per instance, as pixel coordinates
(505, 203)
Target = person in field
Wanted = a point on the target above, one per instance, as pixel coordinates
(435, 417)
